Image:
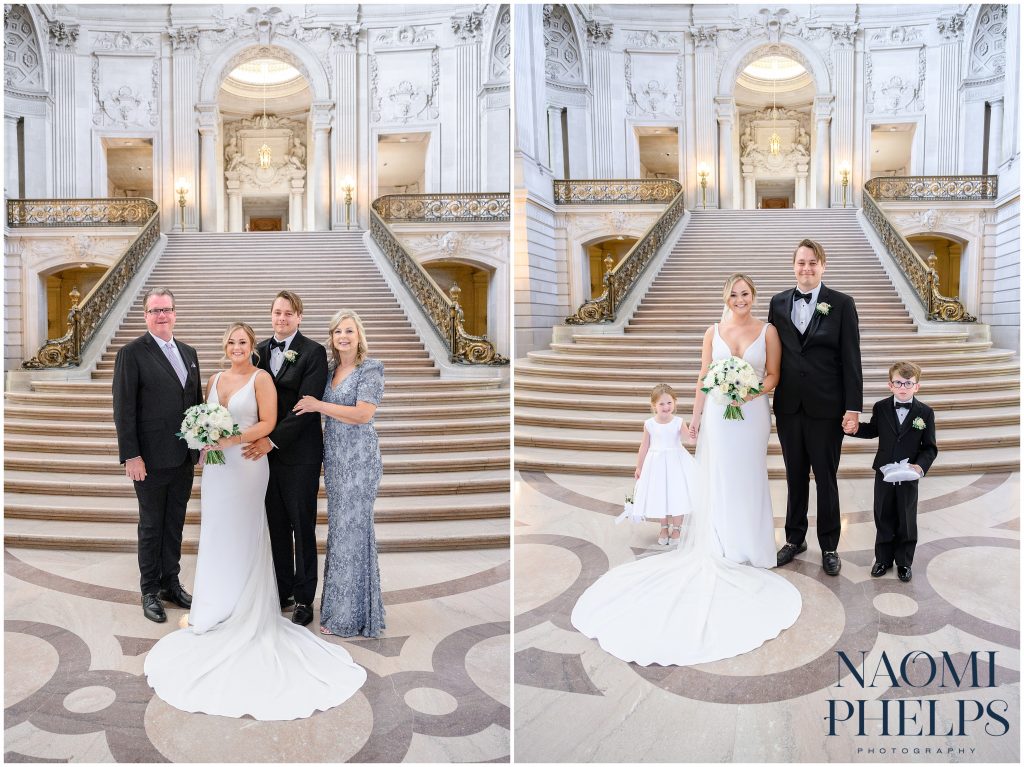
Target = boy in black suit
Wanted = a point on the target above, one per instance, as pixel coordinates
(905, 428)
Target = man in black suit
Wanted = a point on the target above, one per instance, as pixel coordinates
(156, 379)
(296, 450)
(819, 397)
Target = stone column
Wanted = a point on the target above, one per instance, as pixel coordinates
(555, 157)
(234, 192)
(822, 165)
(843, 37)
(295, 200)
(63, 38)
(184, 94)
(995, 136)
(468, 30)
(319, 181)
(801, 186)
(704, 137)
(725, 110)
(749, 188)
(947, 112)
(208, 119)
(12, 159)
(603, 112)
(344, 45)
(1011, 84)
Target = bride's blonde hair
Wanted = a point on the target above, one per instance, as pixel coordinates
(245, 328)
(731, 283)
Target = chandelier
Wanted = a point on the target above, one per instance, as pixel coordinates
(264, 151)
(774, 142)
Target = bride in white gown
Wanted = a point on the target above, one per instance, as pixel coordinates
(698, 603)
(239, 656)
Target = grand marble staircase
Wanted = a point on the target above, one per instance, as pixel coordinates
(445, 444)
(579, 406)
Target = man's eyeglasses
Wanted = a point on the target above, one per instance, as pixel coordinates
(903, 384)
(158, 312)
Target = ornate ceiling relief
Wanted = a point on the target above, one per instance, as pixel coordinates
(502, 48)
(896, 36)
(657, 89)
(649, 39)
(932, 219)
(988, 49)
(394, 97)
(404, 36)
(469, 27)
(184, 38)
(561, 50)
(23, 69)
(951, 28)
(63, 36)
(123, 41)
(598, 33)
(453, 244)
(125, 80)
(888, 86)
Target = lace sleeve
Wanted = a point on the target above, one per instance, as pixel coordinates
(371, 382)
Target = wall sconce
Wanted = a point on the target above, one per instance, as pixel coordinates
(703, 173)
(844, 177)
(181, 188)
(348, 186)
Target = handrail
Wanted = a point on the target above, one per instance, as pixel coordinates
(914, 188)
(444, 312)
(111, 211)
(444, 208)
(613, 191)
(621, 280)
(87, 315)
(922, 276)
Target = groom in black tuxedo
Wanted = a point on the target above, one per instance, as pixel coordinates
(156, 379)
(819, 397)
(296, 448)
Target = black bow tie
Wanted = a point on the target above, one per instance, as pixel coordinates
(903, 406)
(797, 295)
(276, 345)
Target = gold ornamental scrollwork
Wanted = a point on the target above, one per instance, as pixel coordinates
(444, 208)
(620, 281)
(444, 314)
(86, 316)
(615, 191)
(923, 278)
(940, 188)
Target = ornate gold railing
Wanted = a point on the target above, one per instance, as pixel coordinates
(117, 211)
(444, 208)
(913, 188)
(86, 316)
(614, 191)
(923, 276)
(620, 281)
(444, 312)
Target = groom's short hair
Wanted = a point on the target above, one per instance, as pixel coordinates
(291, 298)
(819, 251)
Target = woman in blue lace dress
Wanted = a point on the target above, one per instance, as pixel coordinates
(351, 602)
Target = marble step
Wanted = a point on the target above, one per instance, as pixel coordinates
(978, 351)
(681, 339)
(122, 537)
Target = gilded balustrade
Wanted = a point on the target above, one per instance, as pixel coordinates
(85, 317)
(444, 312)
(939, 188)
(444, 208)
(922, 276)
(620, 281)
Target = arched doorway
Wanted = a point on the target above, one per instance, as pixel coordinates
(948, 253)
(64, 287)
(474, 285)
(597, 253)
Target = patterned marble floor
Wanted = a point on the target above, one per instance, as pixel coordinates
(575, 703)
(75, 642)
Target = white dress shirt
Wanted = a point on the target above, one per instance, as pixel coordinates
(801, 312)
(901, 414)
(277, 355)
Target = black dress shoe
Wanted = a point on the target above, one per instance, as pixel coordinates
(303, 614)
(878, 570)
(177, 595)
(287, 604)
(152, 608)
(830, 562)
(904, 573)
(790, 550)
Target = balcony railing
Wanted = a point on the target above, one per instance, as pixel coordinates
(620, 281)
(443, 208)
(443, 312)
(922, 276)
(928, 188)
(615, 191)
(86, 316)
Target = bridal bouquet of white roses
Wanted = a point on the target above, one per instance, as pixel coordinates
(729, 381)
(204, 425)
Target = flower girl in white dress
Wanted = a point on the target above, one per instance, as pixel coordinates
(665, 472)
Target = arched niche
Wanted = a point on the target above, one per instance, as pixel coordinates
(567, 92)
(284, 49)
(595, 251)
(484, 289)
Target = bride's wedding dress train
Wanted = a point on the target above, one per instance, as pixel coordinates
(239, 655)
(695, 604)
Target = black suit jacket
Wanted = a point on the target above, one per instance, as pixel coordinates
(150, 402)
(299, 438)
(821, 369)
(896, 441)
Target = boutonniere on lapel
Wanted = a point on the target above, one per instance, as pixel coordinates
(823, 309)
(291, 355)
(918, 423)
